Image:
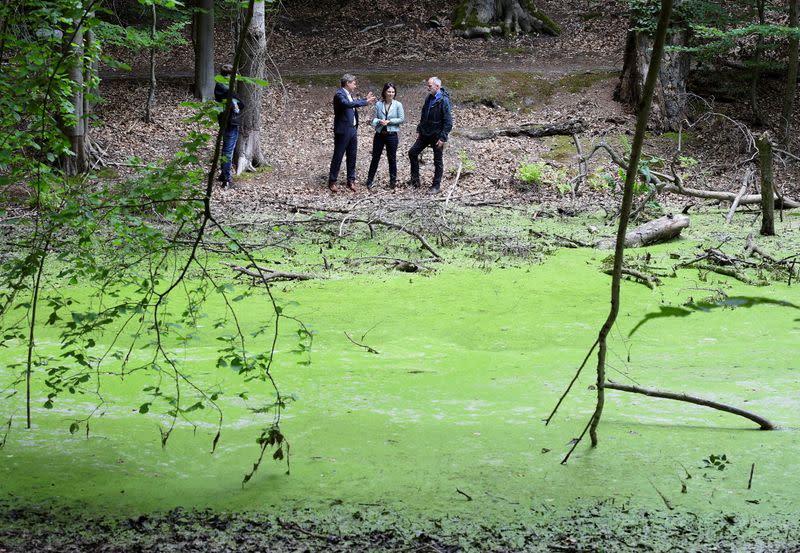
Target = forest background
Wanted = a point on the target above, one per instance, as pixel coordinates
(118, 244)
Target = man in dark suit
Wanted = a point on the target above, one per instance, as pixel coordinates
(345, 130)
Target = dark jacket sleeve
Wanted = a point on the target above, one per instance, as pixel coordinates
(341, 98)
(447, 119)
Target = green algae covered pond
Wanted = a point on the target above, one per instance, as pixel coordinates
(439, 429)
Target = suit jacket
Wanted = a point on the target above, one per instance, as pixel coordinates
(345, 116)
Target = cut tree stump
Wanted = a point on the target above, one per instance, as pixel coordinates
(653, 232)
(567, 127)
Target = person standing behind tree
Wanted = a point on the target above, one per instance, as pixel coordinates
(389, 116)
(345, 130)
(231, 131)
(435, 124)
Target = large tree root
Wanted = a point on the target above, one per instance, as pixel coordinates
(761, 421)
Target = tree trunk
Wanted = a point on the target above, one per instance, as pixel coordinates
(151, 92)
(767, 195)
(669, 100)
(249, 154)
(791, 76)
(758, 118)
(75, 127)
(481, 18)
(203, 35)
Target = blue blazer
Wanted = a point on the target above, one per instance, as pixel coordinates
(345, 116)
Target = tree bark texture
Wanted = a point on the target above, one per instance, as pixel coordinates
(481, 18)
(767, 194)
(249, 154)
(758, 118)
(625, 210)
(653, 232)
(203, 36)
(791, 75)
(76, 129)
(151, 91)
(669, 99)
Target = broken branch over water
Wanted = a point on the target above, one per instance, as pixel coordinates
(761, 421)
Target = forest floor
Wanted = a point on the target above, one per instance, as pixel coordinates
(492, 83)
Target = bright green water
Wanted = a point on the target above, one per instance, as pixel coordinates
(470, 363)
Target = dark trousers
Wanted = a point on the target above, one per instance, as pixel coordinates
(228, 145)
(344, 143)
(438, 165)
(390, 141)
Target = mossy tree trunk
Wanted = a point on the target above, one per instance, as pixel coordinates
(481, 18)
(249, 154)
(669, 100)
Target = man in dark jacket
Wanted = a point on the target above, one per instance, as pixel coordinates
(435, 124)
(345, 130)
(231, 131)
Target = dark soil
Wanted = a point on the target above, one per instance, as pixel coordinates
(598, 527)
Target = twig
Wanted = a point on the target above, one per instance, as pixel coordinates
(265, 274)
(738, 198)
(371, 43)
(577, 441)
(469, 497)
(366, 347)
(455, 184)
(569, 387)
(761, 421)
(398, 226)
(294, 526)
(371, 27)
(750, 480)
(663, 497)
(643, 278)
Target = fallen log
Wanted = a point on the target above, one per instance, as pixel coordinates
(567, 127)
(266, 275)
(658, 230)
(747, 199)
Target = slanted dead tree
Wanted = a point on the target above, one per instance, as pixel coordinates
(619, 250)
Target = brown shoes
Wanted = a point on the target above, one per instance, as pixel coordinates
(351, 184)
(332, 186)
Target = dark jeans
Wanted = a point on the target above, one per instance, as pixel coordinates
(228, 145)
(390, 141)
(438, 165)
(344, 143)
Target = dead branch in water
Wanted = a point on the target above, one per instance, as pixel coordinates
(761, 421)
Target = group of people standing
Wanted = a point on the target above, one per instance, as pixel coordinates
(436, 121)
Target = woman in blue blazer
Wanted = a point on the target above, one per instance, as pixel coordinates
(389, 116)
